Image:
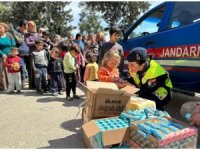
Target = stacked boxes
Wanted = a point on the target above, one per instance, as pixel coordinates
(162, 132)
(103, 133)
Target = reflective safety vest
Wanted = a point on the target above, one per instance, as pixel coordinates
(154, 71)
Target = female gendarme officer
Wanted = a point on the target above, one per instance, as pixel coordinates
(147, 75)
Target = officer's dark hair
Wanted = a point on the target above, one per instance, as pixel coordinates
(114, 30)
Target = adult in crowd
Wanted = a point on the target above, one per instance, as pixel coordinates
(79, 41)
(6, 42)
(57, 39)
(30, 39)
(147, 75)
(100, 39)
(70, 40)
(23, 49)
(114, 37)
(92, 46)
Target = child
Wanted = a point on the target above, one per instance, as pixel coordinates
(13, 63)
(55, 72)
(62, 46)
(109, 71)
(70, 68)
(91, 68)
(39, 62)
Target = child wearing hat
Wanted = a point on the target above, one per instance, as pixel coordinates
(13, 64)
(152, 79)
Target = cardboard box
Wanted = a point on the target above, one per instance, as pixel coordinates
(94, 137)
(86, 117)
(140, 103)
(106, 100)
(185, 138)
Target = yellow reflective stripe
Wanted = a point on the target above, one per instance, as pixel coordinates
(135, 78)
(161, 93)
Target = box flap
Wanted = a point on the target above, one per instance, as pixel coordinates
(90, 129)
(130, 89)
(97, 84)
(109, 91)
(116, 136)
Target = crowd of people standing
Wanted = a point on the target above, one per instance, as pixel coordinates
(50, 65)
(55, 65)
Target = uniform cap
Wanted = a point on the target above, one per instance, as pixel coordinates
(137, 54)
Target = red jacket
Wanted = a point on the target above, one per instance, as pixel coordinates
(13, 61)
(105, 75)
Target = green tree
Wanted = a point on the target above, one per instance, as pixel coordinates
(121, 13)
(89, 22)
(53, 15)
(4, 11)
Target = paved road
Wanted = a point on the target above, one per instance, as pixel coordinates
(31, 121)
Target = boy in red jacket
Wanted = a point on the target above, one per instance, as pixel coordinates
(13, 63)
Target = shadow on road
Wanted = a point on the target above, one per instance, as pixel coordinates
(66, 103)
(72, 141)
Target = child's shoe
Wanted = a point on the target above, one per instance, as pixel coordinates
(19, 91)
(39, 92)
(11, 92)
(55, 94)
(68, 98)
(60, 93)
(76, 97)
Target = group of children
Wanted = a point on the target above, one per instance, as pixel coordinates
(57, 68)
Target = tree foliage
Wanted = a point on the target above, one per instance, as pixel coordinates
(53, 15)
(121, 13)
(4, 11)
(89, 22)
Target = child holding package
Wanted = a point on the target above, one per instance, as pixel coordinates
(109, 71)
(13, 63)
(40, 62)
(70, 68)
(91, 68)
(55, 72)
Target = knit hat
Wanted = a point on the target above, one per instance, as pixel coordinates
(5, 26)
(138, 54)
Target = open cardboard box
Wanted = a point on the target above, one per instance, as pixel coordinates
(95, 138)
(104, 99)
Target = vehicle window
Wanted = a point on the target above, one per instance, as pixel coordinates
(149, 25)
(185, 13)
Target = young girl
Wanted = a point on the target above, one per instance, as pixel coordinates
(91, 68)
(109, 71)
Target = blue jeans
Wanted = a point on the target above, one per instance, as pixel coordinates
(41, 81)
